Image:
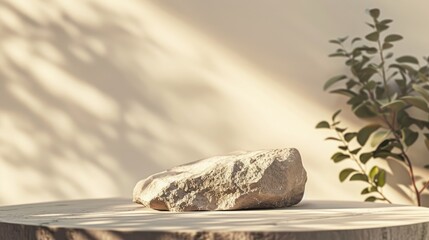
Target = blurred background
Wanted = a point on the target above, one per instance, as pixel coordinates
(96, 95)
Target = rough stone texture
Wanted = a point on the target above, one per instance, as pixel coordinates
(245, 180)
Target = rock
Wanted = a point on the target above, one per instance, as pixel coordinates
(246, 180)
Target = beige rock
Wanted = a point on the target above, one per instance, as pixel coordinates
(246, 180)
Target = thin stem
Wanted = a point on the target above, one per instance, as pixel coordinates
(424, 187)
(383, 70)
(382, 195)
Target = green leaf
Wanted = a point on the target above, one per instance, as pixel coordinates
(333, 138)
(386, 144)
(393, 38)
(368, 190)
(378, 137)
(389, 55)
(370, 85)
(403, 68)
(345, 173)
(417, 102)
(344, 92)
(364, 111)
(339, 156)
(379, 94)
(339, 40)
(409, 136)
(355, 151)
(370, 199)
(423, 77)
(343, 39)
(373, 37)
(365, 133)
(385, 154)
(403, 118)
(333, 80)
(365, 157)
(394, 105)
(349, 136)
(359, 177)
(381, 27)
(335, 115)
(386, 46)
(374, 170)
(337, 55)
(334, 41)
(424, 69)
(371, 25)
(351, 83)
(323, 124)
(357, 101)
(381, 178)
(386, 21)
(344, 148)
(421, 91)
(408, 59)
(375, 13)
(356, 39)
(340, 129)
(371, 50)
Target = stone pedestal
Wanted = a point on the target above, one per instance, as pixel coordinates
(120, 219)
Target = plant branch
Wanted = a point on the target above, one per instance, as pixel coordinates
(424, 187)
(403, 153)
(391, 125)
(351, 154)
(383, 70)
(410, 168)
(353, 157)
(382, 195)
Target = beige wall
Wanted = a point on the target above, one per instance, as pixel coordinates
(97, 94)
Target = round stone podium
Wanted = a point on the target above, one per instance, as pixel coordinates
(120, 219)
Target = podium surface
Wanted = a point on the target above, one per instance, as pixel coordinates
(121, 219)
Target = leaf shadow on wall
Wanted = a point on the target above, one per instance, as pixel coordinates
(80, 112)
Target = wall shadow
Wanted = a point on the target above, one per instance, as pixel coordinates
(81, 113)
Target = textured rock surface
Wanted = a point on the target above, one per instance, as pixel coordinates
(246, 180)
